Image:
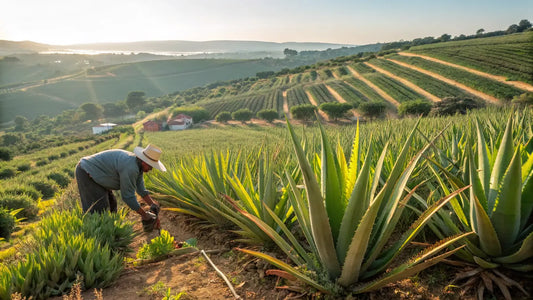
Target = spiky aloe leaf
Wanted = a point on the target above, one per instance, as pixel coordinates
(404, 271)
(506, 214)
(357, 205)
(525, 252)
(527, 192)
(319, 220)
(503, 158)
(331, 186)
(483, 160)
(278, 263)
(488, 239)
(485, 264)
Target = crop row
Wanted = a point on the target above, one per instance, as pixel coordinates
(395, 89)
(325, 74)
(321, 94)
(362, 87)
(482, 84)
(512, 61)
(434, 86)
(296, 96)
(347, 92)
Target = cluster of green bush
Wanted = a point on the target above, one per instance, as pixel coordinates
(69, 246)
(244, 114)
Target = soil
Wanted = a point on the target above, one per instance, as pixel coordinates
(195, 278)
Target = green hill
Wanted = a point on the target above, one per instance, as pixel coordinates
(493, 69)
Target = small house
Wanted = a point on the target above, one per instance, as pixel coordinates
(103, 128)
(151, 126)
(179, 122)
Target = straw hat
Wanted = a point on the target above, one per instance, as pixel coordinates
(150, 155)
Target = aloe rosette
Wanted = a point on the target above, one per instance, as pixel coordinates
(347, 215)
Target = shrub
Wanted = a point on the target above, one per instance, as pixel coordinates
(6, 154)
(303, 112)
(197, 113)
(23, 167)
(53, 157)
(63, 154)
(7, 223)
(372, 109)
(60, 178)
(47, 187)
(7, 172)
(454, 105)
(243, 115)
(28, 190)
(525, 99)
(415, 108)
(12, 202)
(41, 162)
(335, 110)
(268, 115)
(223, 116)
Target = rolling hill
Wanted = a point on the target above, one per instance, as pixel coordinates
(493, 70)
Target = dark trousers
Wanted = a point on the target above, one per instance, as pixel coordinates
(94, 197)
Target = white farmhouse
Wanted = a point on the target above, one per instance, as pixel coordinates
(179, 122)
(103, 128)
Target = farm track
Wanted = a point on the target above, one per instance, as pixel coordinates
(340, 99)
(449, 81)
(406, 82)
(313, 102)
(518, 84)
(381, 92)
(286, 105)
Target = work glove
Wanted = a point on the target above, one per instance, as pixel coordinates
(150, 222)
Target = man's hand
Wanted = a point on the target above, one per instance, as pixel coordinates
(149, 221)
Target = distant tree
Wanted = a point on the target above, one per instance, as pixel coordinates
(314, 75)
(445, 37)
(523, 25)
(414, 108)
(223, 117)
(114, 109)
(135, 100)
(92, 111)
(243, 115)
(21, 123)
(512, 29)
(268, 115)
(335, 110)
(264, 74)
(6, 154)
(290, 52)
(141, 114)
(68, 116)
(303, 112)
(10, 139)
(372, 110)
(480, 31)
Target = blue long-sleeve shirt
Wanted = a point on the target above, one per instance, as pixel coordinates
(117, 170)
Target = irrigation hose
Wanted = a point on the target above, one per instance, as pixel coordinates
(221, 275)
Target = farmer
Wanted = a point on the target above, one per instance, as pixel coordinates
(101, 173)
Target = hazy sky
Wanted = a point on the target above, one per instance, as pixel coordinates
(336, 21)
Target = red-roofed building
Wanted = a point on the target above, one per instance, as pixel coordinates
(151, 126)
(179, 122)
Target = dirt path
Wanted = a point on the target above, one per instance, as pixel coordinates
(286, 105)
(381, 92)
(341, 100)
(407, 83)
(449, 81)
(313, 102)
(518, 84)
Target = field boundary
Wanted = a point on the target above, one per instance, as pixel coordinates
(407, 83)
(450, 81)
(381, 92)
(517, 84)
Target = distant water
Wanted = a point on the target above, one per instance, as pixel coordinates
(120, 52)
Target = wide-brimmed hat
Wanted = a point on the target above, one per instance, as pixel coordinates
(150, 155)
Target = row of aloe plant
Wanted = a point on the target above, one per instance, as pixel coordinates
(338, 228)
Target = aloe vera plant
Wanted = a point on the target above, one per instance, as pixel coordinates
(347, 215)
(498, 208)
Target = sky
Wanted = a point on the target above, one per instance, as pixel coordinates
(355, 22)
